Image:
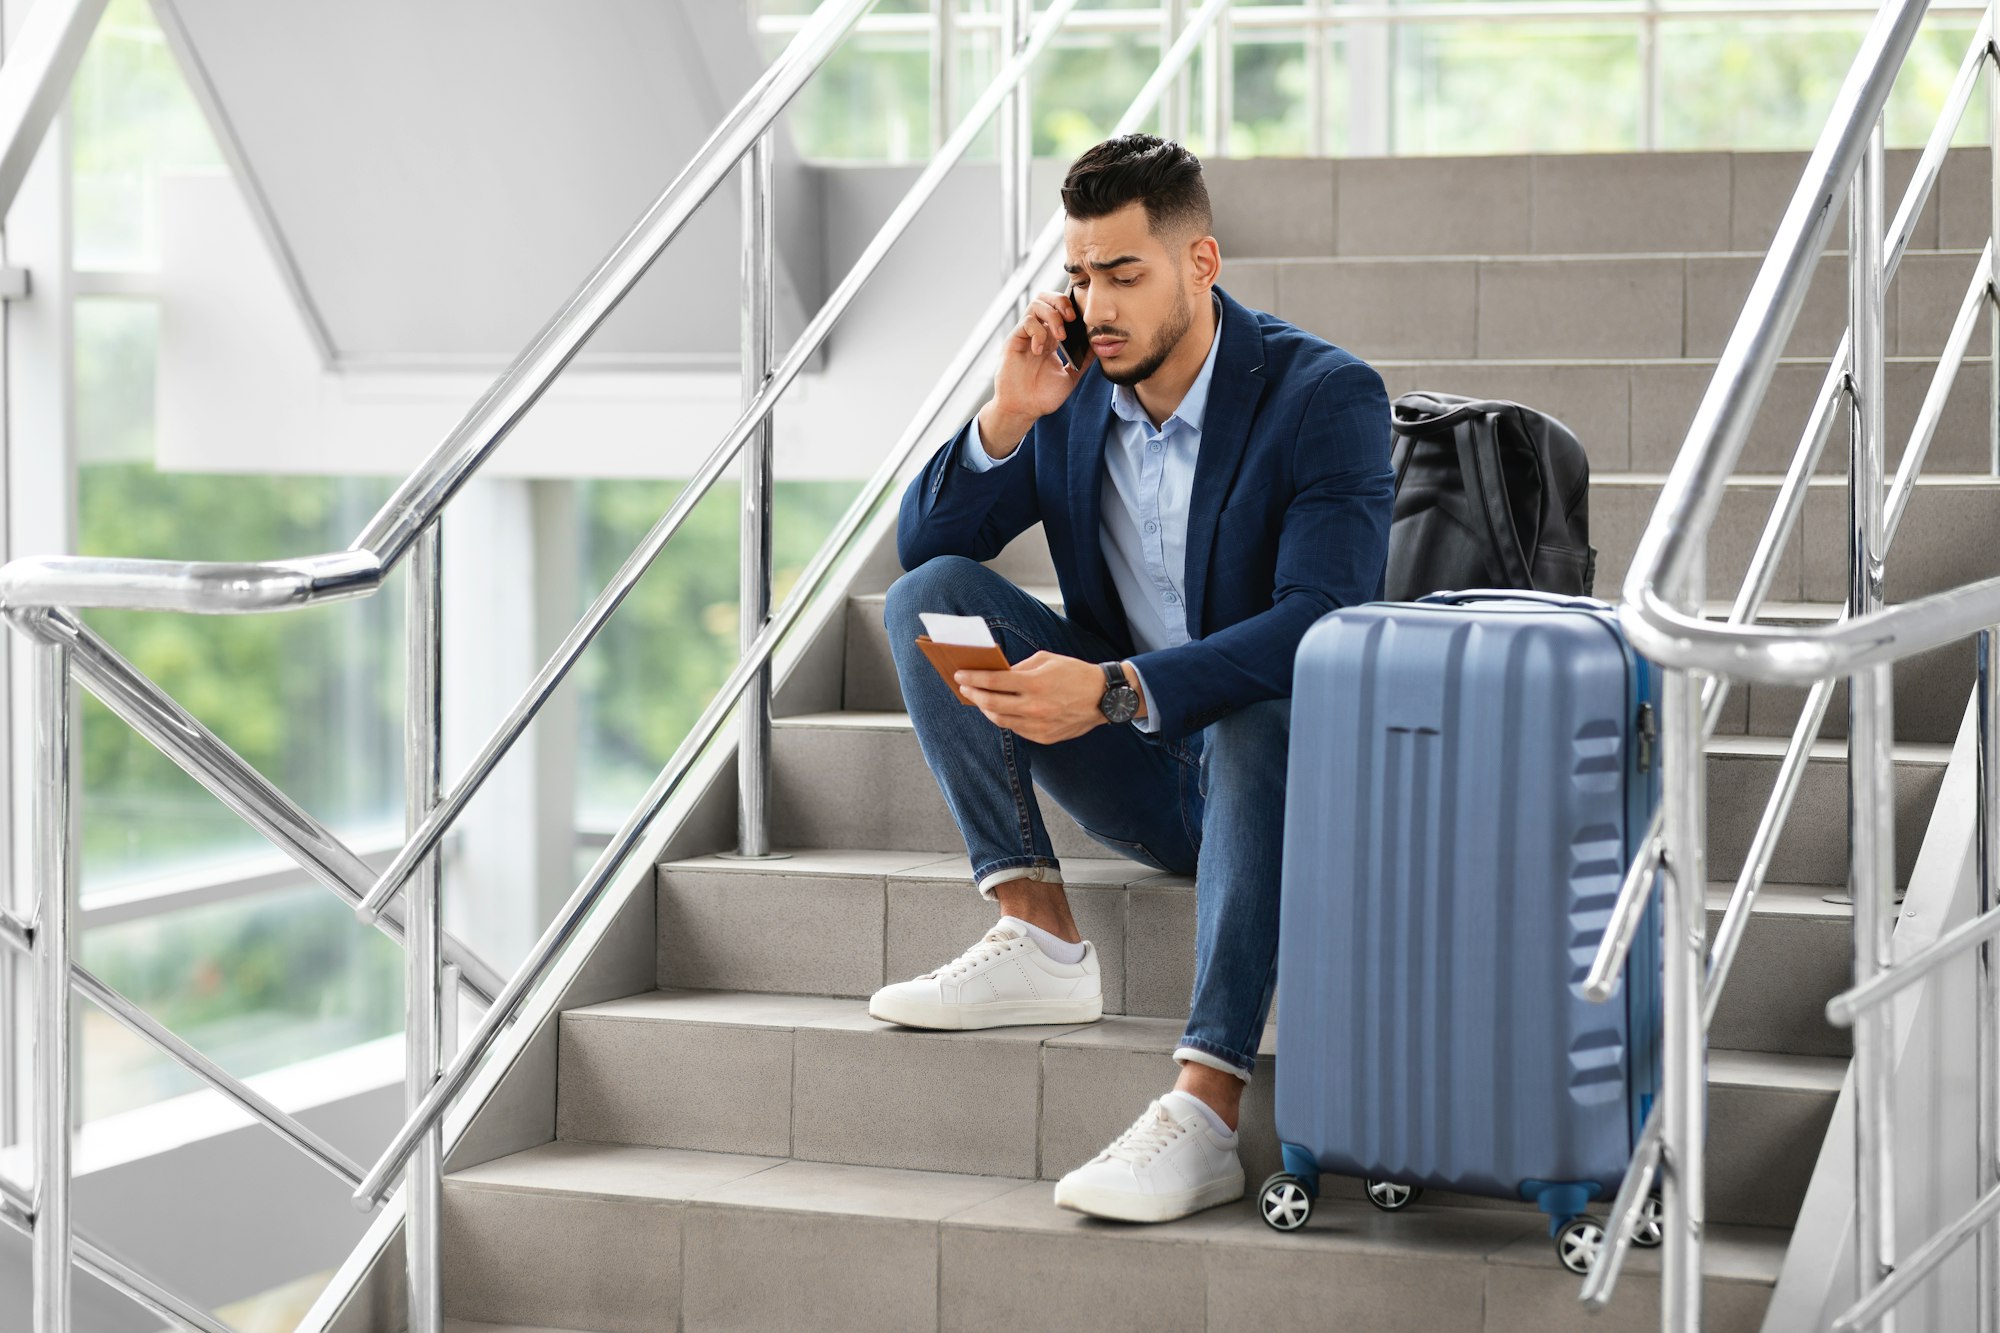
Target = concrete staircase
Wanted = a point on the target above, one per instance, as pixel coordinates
(744, 1148)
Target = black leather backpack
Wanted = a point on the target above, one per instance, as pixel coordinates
(1489, 494)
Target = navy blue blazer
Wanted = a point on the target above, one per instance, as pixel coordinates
(1288, 520)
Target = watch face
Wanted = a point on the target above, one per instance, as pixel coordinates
(1119, 704)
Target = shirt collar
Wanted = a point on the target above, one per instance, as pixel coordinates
(1194, 404)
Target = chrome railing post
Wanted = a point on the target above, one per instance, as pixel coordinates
(423, 932)
(1649, 77)
(1016, 142)
(1993, 232)
(1684, 1038)
(753, 753)
(1219, 83)
(1173, 106)
(1986, 1137)
(1319, 37)
(55, 875)
(944, 69)
(1871, 793)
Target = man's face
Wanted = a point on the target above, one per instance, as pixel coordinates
(1133, 289)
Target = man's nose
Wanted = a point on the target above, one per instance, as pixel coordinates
(1097, 309)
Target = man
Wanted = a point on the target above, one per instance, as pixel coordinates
(1211, 482)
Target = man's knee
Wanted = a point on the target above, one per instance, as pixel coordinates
(940, 584)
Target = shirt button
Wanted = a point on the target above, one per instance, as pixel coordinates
(1171, 599)
(1152, 527)
(1154, 446)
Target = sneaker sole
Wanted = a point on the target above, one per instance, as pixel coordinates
(1122, 1207)
(995, 1014)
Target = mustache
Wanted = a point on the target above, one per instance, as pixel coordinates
(1107, 331)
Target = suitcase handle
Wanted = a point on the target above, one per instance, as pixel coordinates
(1470, 596)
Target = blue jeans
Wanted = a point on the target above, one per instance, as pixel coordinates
(1212, 805)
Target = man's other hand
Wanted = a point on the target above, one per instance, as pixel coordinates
(1045, 698)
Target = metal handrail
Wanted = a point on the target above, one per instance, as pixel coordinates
(569, 918)
(1669, 549)
(17, 1211)
(39, 597)
(207, 758)
(1779, 526)
(279, 585)
(452, 804)
(1662, 619)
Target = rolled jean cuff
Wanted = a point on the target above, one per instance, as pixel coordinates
(1044, 872)
(1188, 1053)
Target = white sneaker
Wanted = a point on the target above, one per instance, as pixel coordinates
(1169, 1164)
(1005, 980)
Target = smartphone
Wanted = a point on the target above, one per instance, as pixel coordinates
(1076, 335)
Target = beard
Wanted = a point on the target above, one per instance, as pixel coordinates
(1179, 320)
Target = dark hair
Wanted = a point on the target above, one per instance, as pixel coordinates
(1143, 168)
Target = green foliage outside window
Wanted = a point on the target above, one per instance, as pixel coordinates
(312, 698)
(674, 640)
(1510, 86)
(130, 118)
(255, 985)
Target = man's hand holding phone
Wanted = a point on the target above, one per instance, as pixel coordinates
(1034, 379)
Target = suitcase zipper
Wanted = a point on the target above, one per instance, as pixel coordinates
(1647, 733)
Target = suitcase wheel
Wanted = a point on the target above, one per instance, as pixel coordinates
(1391, 1197)
(1578, 1241)
(1651, 1228)
(1285, 1202)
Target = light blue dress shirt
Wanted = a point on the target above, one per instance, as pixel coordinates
(1149, 480)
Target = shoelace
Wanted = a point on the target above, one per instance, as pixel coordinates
(996, 942)
(1152, 1132)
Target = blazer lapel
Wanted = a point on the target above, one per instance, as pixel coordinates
(1089, 423)
(1233, 394)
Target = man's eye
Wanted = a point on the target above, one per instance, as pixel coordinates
(1125, 282)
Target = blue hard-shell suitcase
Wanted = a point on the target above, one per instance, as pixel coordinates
(1470, 777)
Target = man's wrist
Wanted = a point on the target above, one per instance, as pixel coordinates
(1132, 679)
(1001, 433)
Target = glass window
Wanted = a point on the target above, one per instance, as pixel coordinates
(132, 119)
(255, 984)
(1516, 88)
(660, 660)
(313, 699)
(1770, 83)
(1273, 104)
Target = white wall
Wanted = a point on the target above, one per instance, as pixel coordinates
(241, 387)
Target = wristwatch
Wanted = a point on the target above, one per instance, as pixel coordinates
(1120, 702)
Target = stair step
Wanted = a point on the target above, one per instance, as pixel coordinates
(1556, 203)
(817, 1079)
(899, 807)
(842, 922)
(1581, 306)
(1930, 552)
(1633, 415)
(616, 1238)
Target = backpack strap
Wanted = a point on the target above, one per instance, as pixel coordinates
(1486, 490)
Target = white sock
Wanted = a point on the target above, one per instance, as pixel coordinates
(1215, 1121)
(1058, 950)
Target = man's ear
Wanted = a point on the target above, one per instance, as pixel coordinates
(1204, 256)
